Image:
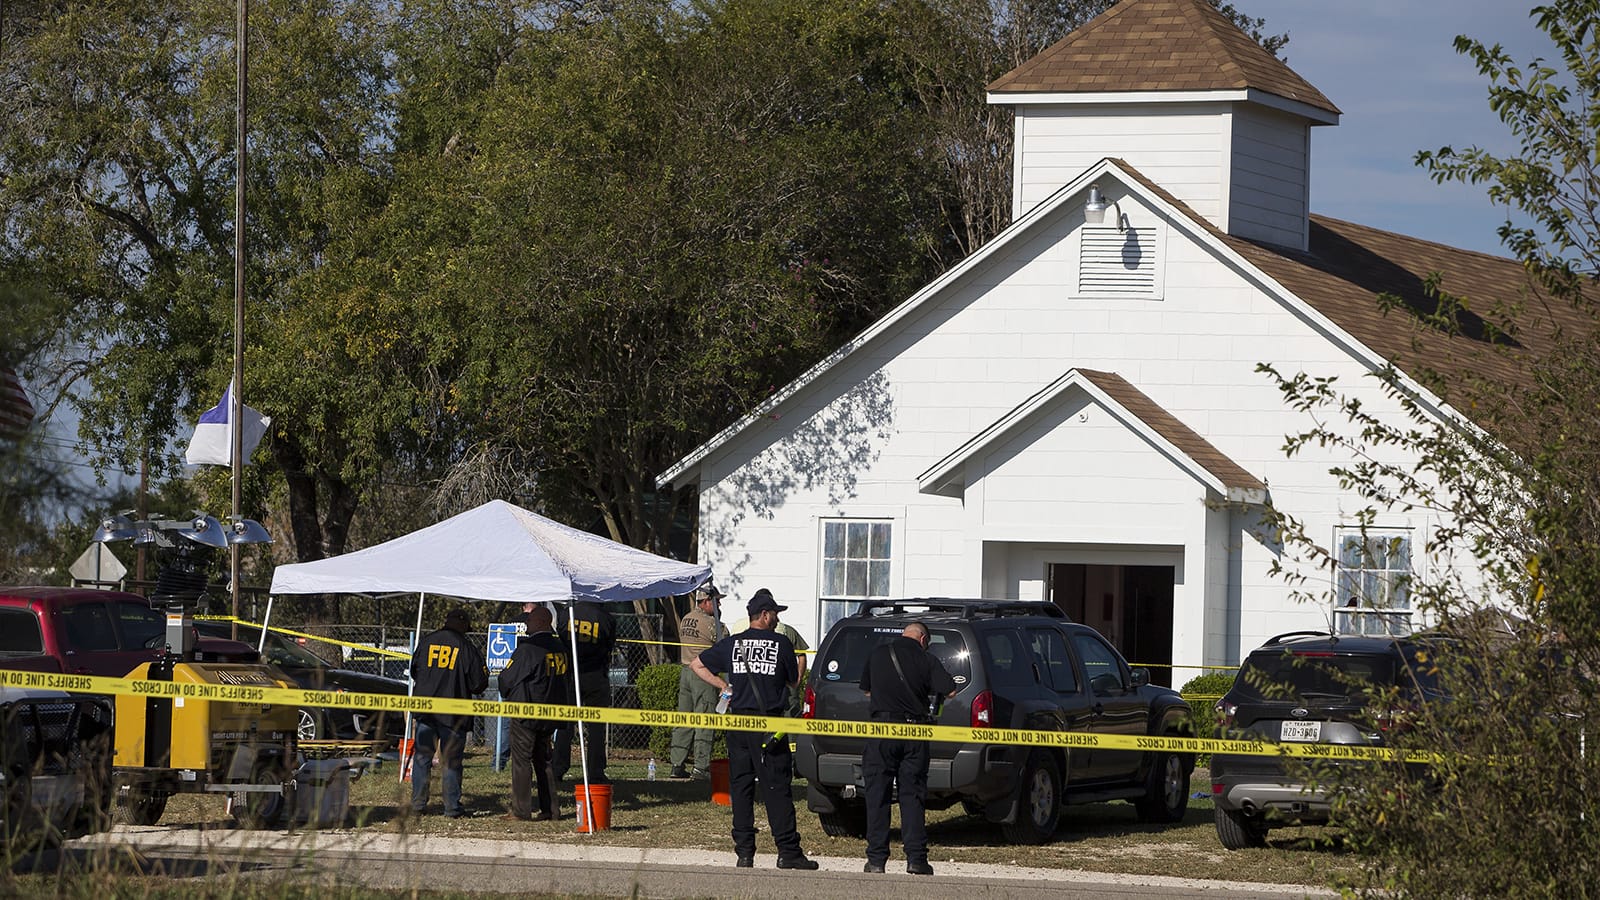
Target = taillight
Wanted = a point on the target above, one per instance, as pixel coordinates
(1225, 713)
(808, 709)
(982, 710)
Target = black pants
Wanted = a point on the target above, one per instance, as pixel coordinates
(531, 755)
(749, 765)
(595, 688)
(883, 762)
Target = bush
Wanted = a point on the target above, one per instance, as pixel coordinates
(1203, 712)
(658, 689)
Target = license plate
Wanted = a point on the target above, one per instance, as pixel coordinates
(1300, 731)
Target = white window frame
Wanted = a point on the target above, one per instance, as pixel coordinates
(835, 605)
(1373, 596)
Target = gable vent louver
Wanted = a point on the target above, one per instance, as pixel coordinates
(1117, 263)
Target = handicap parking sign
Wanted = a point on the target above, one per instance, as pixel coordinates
(502, 643)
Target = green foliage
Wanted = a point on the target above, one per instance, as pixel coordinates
(1510, 563)
(1203, 712)
(658, 689)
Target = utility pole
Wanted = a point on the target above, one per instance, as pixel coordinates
(236, 396)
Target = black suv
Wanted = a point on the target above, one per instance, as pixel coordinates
(1307, 687)
(1016, 664)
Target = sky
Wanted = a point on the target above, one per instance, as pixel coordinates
(1391, 68)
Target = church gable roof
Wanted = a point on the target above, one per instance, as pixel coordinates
(1159, 45)
(1127, 403)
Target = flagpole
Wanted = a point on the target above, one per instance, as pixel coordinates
(236, 396)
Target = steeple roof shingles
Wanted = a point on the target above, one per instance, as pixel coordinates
(1159, 45)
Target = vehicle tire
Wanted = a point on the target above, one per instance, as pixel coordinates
(1166, 789)
(850, 820)
(258, 809)
(1039, 808)
(311, 726)
(1238, 831)
(144, 807)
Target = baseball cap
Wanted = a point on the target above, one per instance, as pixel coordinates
(709, 591)
(761, 602)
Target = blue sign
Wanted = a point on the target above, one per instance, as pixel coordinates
(502, 643)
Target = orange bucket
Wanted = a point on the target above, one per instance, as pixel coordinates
(594, 807)
(405, 758)
(719, 783)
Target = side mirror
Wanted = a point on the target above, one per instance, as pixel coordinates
(1141, 677)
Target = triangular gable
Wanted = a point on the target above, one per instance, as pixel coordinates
(1258, 263)
(1126, 403)
(1163, 47)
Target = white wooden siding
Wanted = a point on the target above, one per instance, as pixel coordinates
(1269, 177)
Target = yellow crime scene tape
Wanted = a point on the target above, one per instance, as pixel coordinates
(229, 693)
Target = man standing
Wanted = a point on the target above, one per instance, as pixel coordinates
(538, 673)
(446, 664)
(796, 693)
(596, 636)
(761, 667)
(902, 679)
(698, 630)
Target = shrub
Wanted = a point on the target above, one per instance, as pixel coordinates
(658, 689)
(1203, 713)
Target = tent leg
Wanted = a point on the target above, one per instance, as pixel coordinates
(261, 644)
(577, 695)
(411, 691)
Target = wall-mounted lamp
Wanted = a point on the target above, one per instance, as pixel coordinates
(1094, 212)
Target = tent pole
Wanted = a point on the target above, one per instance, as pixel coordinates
(411, 690)
(577, 694)
(261, 644)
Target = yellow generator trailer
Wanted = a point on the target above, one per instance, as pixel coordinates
(172, 745)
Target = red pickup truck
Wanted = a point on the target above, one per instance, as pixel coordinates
(80, 631)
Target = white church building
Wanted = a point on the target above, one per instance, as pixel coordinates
(1074, 413)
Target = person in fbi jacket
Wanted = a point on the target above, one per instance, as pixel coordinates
(539, 672)
(596, 635)
(905, 683)
(761, 666)
(446, 664)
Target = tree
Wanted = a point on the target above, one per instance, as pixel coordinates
(1506, 807)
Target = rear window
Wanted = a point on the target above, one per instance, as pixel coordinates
(140, 626)
(87, 627)
(1312, 676)
(19, 633)
(847, 653)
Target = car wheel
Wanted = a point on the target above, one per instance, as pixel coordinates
(850, 820)
(1238, 831)
(144, 807)
(1166, 790)
(260, 809)
(1039, 808)
(310, 725)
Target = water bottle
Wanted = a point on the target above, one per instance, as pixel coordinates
(724, 699)
(650, 769)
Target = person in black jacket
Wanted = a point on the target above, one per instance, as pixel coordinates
(539, 672)
(905, 683)
(446, 664)
(761, 667)
(596, 633)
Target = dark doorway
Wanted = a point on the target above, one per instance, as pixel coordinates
(1130, 605)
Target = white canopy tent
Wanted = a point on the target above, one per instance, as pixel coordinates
(497, 551)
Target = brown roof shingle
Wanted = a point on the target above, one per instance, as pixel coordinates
(1159, 45)
(1347, 267)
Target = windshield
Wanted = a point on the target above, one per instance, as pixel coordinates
(280, 649)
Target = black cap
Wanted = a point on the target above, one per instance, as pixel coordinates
(761, 602)
(459, 616)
